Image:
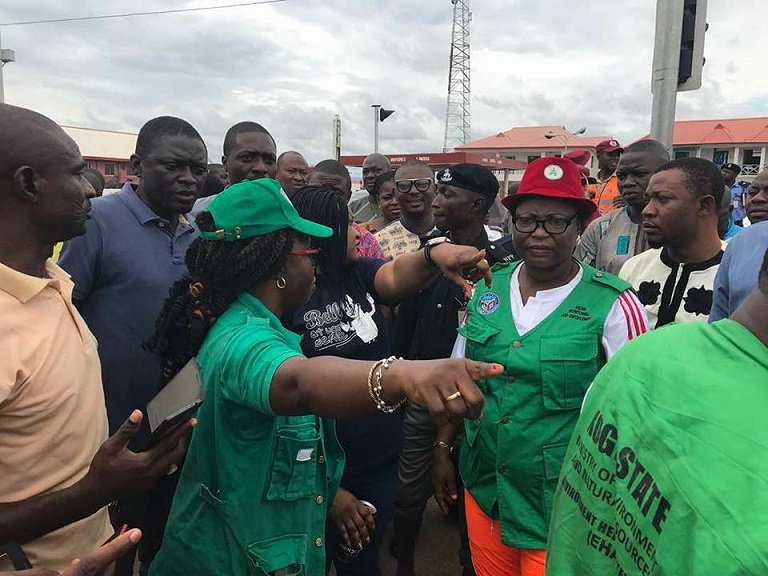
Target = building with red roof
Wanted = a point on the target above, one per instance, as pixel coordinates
(527, 143)
(742, 141)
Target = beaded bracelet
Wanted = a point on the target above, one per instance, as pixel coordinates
(375, 389)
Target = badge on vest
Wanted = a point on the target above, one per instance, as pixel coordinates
(487, 303)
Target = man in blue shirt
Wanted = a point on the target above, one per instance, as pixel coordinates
(130, 256)
(738, 189)
(737, 276)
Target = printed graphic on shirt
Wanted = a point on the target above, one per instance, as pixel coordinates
(698, 301)
(648, 293)
(328, 329)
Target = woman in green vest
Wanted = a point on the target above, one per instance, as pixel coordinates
(263, 464)
(552, 323)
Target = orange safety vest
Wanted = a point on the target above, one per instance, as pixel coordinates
(608, 191)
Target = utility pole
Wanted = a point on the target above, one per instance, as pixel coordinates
(6, 55)
(457, 112)
(666, 62)
(337, 136)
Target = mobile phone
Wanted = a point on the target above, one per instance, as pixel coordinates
(16, 555)
(176, 402)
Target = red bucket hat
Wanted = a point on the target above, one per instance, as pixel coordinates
(553, 178)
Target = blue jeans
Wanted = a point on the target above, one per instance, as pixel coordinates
(377, 487)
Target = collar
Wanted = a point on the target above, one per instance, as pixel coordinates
(255, 307)
(143, 213)
(597, 177)
(24, 287)
(693, 266)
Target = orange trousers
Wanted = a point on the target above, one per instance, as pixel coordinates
(490, 556)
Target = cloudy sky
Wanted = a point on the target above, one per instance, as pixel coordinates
(293, 65)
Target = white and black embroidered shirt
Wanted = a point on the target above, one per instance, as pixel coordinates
(670, 291)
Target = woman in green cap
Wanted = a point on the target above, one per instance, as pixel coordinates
(263, 463)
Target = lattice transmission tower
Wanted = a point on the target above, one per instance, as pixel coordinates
(457, 113)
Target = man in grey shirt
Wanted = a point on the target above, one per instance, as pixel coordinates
(362, 204)
(611, 240)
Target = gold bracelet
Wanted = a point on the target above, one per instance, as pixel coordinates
(370, 378)
(376, 389)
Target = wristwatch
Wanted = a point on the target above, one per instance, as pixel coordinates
(431, 243)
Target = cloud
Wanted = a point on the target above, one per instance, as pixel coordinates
(293, 66)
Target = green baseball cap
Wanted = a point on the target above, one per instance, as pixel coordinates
(254, 208)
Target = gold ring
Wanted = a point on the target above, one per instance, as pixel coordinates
(453, 396)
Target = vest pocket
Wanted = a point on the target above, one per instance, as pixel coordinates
(294, 465)
(283, 556)
(478, 333)
(568, 366)
(554, 454)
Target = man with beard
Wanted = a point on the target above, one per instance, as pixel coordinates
(123, 266)
(674, 280)
(415, 191)
(611, 240)
(363, 204)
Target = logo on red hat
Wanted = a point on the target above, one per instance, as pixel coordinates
(553, 172)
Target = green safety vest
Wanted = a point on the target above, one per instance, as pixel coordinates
(511, 458)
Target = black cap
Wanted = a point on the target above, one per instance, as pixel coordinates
(732, 167)
(471, 177)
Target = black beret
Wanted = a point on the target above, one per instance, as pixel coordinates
(471, 177)
(732, 167)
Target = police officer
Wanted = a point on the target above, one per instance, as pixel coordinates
(738, 190)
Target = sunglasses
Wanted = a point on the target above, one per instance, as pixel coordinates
(422, 185)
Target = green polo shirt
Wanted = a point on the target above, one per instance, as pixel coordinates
(254, 490)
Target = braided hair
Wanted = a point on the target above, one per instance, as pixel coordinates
(219, 271)
(334, 273)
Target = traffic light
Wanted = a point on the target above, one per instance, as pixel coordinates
(692, 45)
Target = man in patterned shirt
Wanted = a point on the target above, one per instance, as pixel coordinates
(675, 279)
(415, 190)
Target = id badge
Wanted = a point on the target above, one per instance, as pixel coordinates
(461, 316)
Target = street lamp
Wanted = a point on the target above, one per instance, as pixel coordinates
(379, 115)
(6, 55)
(564, 135)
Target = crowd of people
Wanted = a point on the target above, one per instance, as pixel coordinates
(364, 351)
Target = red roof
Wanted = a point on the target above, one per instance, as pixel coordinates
(444, 159)
(534, 137)
(725, 131)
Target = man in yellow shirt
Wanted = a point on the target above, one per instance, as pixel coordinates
(58, 468)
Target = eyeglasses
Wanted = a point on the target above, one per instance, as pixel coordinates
(305, 252)
(422, 185)
(551, 225)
